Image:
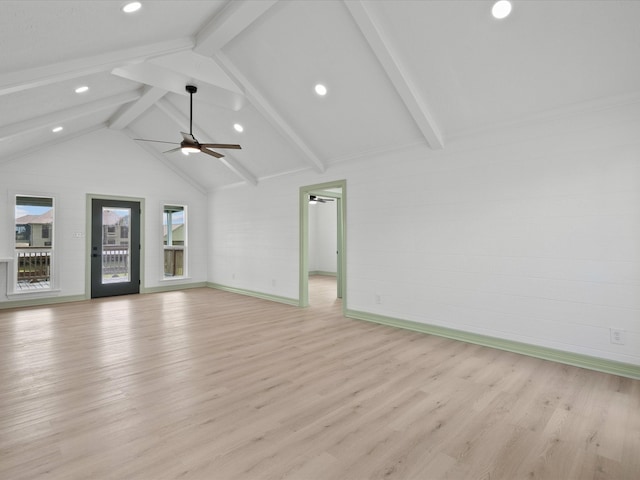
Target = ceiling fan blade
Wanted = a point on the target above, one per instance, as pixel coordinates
(221, 145)
(210, 152)
(156, 141)
(173, 150)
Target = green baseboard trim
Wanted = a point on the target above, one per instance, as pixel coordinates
(545, 353)
(322, 272)
(36, 302)
(264, 296)
(174, 287)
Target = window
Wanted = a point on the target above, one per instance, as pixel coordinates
(23, 234)
(33, 242)
(174, 221)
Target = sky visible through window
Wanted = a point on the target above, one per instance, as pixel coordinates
(22, 210)
(176, 219)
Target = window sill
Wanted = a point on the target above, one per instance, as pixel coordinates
(174, 279)
(34, 293)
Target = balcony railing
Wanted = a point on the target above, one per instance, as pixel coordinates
(34, 267)
(34, 264)
(115, 259)
(173, 261)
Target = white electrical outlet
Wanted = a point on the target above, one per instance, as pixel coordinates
(617, 336)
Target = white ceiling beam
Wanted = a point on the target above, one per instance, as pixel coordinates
(50, 143)
(229, 23)
(47, 74)
(388, 58)
(174, 78)
(228, 160)
(161, 158)
(62, 116)
(269, 112)
(123, 118)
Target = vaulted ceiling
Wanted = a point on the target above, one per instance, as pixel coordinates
(399, 73)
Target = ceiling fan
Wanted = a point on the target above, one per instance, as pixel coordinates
(313, 199)
(189, 143)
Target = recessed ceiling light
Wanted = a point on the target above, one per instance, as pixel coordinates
(238, 128)
(501, 9)
(131, 7)
(82, 89)
(321, 90)
(56, 129)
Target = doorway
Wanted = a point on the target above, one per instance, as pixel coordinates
(334, 192)
(115, 247)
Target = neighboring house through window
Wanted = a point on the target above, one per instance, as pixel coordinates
(34, 219)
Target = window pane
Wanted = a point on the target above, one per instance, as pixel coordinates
(33, 242)
(116, 262)
(174, 240)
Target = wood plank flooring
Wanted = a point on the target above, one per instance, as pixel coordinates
(204, 384)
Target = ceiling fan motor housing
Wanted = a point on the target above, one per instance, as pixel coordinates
(191, 88)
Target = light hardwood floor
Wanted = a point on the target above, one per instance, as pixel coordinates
(204, 384)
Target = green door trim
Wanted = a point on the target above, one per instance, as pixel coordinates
(303, 280)
(89, 202)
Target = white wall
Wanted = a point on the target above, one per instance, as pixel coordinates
(323, 237)
(71, 170)
(530, 234)
(254, 237)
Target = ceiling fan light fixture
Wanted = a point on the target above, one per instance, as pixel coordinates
(188, 150)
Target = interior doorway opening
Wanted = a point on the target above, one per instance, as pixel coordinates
(322, 291)
(322, 241)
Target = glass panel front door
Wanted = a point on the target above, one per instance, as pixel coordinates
(115, 247)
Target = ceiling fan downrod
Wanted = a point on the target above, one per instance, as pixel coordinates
(191, 89)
